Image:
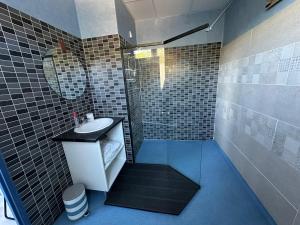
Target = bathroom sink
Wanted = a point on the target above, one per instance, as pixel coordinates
(94, 125)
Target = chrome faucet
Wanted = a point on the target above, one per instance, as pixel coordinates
(82, 121)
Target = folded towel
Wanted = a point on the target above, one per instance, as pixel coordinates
(109, 150)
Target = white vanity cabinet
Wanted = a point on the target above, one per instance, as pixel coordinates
(86, 161)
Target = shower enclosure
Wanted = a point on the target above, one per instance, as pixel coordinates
(171, 92)
(133, 90)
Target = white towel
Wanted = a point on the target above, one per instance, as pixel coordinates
(109, 150)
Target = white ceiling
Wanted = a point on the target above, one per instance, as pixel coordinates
(144, 9)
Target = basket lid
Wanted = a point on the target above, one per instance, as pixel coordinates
(73, 192)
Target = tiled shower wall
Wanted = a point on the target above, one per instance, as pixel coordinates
(258, 108)
(31, 113)
(178, 92)
(105, 66)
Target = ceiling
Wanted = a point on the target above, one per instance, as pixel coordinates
(145, 9)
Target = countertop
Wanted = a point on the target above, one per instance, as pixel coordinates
(70, 135)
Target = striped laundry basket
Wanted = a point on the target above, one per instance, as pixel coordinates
(75, 201)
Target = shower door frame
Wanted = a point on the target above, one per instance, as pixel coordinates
(127, 103)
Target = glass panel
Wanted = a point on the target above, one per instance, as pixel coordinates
(148, 100)
(133, 96)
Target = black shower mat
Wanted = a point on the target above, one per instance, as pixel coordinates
(152, 187)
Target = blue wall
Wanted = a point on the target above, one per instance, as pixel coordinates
(125, 22)
(96, 18)
(61, 14)
(246, 14)
(102, 17)
(159, 29)
(86, 18)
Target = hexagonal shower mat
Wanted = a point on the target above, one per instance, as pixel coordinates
(152, 187)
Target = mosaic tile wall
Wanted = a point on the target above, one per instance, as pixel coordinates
(104, 63)
(132, 81)
(31, 113)
(179, 92)
(257, 115)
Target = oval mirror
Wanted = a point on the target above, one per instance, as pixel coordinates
(64, 73)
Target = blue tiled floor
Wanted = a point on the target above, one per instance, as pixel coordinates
(224, 199)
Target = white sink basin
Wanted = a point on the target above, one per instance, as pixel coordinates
(94, 125)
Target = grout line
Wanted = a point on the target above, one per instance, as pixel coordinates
(274, 135)
(250, 43)
(283, 85)
(168, 125)
(260, 113)
(246, 157)
(262, 52)
(294, 220)
(201, 161)
(276, 125)
(154, 8)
